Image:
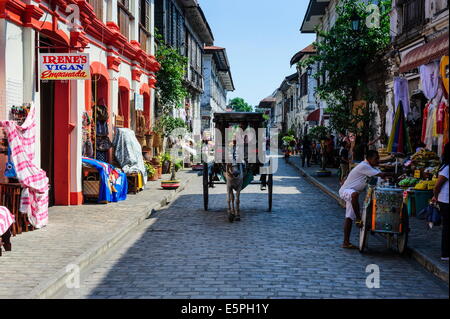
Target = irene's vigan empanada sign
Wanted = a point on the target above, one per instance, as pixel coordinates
(64, 66)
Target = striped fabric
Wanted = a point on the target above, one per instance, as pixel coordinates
(6, 219)
(34, 198)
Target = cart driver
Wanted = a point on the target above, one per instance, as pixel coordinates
(354, 184)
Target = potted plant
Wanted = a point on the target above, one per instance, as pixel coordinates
(151, 172)
(149, 136)
(166, 163)
(178, 165)
(156, 162)
(287, 140)
(173, 183)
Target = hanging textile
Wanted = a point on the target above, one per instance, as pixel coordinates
(34, 181)
(87, 148)
(113, 182)
(428, 140)
(6, 220)
(128, 152)
(429, 77)
(425, 121)
(399, 139)
(401, 94)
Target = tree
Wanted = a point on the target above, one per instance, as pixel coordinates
(344, 56)
(170, 88)
(238, 104)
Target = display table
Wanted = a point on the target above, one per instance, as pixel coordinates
(10, 198)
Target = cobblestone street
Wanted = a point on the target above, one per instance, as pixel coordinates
(293, 252)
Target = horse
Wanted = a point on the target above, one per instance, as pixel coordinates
(234, 175)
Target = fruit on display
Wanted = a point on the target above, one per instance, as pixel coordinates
(409, 182)
(426, 185)
(424, 158)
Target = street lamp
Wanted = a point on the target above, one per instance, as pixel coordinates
(309, 71)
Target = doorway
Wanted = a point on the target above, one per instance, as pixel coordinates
(47, 99)
(54, 122)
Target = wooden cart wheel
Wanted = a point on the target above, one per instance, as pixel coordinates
(270, 184)
(205, 186)
(364, 231)
(402, 240)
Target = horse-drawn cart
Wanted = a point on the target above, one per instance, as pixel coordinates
(254, 161)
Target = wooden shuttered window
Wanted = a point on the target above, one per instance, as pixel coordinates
(304, 84)
(124, 17)
(98, 8)
(144, 24)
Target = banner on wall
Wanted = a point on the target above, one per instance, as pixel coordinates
(64, 66)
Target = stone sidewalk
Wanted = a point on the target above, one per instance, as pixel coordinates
(77, 235)
(424, 243)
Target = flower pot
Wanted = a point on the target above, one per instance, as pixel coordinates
(155, 161)
(153, 178)
(170, 184)
(159, 171)
(157, 141)
(149, 140)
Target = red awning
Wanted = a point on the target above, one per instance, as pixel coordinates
(314, 116)
(425, 54)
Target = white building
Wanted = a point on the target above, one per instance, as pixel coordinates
(117, 35)
(309, 112)
(217, 83)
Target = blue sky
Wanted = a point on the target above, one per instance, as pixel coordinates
(260, 36)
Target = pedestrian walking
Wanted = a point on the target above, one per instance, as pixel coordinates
(355, 183)
(344, 161)
(442, 200)
(306, 152)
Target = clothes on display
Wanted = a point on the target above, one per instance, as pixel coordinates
(102, 156)
(87, 148)
(401, 94)
(429, 77)
(6, 220)
(399, 138)
(128, 152)
(435, 122)
(34, 181)
(113, 182)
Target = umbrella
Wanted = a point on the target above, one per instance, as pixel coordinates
(399, 139)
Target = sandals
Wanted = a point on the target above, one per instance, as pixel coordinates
(349, 246)
(359, 223)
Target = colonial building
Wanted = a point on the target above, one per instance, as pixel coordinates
(184, 26)
(309, 113)
(217, 82)
(289, 89)
(419, 32)
(117, 35)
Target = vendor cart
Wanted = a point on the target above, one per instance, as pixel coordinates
(213, 171)
(385, 214)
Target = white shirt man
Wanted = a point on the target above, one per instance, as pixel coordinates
(356, 183)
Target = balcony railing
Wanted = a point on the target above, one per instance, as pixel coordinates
(413, 14)
(195, 78)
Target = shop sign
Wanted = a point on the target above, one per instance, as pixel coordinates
(139, 100)
(64, 66)
(417, 174)
(444, 71)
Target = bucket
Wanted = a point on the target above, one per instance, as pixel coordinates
(422, 199)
